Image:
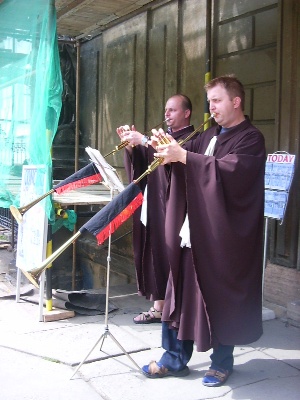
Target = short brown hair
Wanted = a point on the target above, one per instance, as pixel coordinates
(232, 85)
(186, 103)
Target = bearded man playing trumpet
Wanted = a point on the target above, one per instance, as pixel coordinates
(150, 258)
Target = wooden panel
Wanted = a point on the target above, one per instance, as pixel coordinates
(255, 62)
(266, 27)
(120, 99)
(236, 35)
(257, 71)
(230, 9)
(156, 75)
(268, 130)
(257, 66)
(284, 246)
(164, 57)
(264, 102)
(245, 44)
(89, 83)
(118, 88)
(192, 50)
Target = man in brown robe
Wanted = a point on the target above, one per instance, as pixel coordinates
(150, 256)
(221, 189)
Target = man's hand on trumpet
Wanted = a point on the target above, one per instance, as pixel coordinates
(121, 131)
(132, 136)
(170, 152)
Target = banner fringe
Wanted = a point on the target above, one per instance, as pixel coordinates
(120, 219)
(90, 180)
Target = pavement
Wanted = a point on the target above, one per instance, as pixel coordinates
(40, 360)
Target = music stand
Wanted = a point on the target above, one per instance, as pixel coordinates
(112, 181)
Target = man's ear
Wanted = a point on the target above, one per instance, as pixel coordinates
(237, 102)
(187, 113)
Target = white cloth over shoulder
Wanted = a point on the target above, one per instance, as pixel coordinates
(185, 230)
(185, 233)
(143, 217)
(211, 146)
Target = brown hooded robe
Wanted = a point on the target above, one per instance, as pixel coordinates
(224, 197)
(150, 256)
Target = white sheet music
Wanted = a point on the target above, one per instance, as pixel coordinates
(107, 172)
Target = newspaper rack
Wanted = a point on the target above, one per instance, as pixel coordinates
(279, 174)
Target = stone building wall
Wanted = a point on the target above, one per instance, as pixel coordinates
(129, 71)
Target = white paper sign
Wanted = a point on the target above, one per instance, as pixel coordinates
(32, 232)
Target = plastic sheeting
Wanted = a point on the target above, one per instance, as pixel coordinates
(30, 92)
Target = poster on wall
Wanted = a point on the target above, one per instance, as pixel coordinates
(279, 174)
(32, 232)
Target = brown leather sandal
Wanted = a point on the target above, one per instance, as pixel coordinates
(157, 370)
(148, 317)
(213, 377)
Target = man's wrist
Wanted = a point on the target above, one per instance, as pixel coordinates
(183, 156)
(144, 140)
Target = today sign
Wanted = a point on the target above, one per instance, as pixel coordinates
(278, 178)
(281, 158)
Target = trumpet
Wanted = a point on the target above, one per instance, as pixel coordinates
(34, 274)
(126, 142)
(164, 140)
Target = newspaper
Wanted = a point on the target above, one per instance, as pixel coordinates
(278, 179)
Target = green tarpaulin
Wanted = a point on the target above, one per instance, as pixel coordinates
(30, 91)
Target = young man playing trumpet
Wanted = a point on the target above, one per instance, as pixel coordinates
(216, 193)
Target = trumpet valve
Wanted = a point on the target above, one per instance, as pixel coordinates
(163, 139)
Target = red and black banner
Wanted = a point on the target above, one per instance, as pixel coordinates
(115, 213)
(86, 176)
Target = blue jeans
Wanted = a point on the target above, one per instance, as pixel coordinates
(179, 352)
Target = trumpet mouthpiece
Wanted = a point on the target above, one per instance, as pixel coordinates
(212, 115)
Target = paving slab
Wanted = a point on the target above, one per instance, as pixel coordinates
(38, 359)
(36, 378)
(66, 341)
(253, 369)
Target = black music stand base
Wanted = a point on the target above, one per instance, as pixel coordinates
(106, 329)
(103, 337)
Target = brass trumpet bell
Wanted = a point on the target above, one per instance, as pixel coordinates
(34, 274)
(18, 213)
